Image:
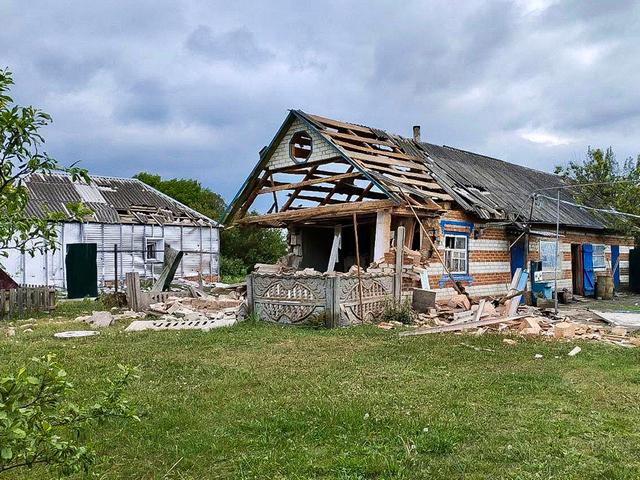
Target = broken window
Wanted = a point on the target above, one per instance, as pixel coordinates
(598, 257)
(300, 147)
(548, 255)
(455, 253)
(155, 249)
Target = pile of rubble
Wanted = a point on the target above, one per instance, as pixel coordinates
(203, 312)
(489, 315)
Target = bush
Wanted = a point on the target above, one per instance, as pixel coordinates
(398, 312)
(232, 267)
(38, 423)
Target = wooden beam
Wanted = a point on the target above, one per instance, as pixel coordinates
(415, 164)
(299, 189)
(461, 326)
(347, 146)
(336, 187)
(316, 199)
(275, 197)
(364, 192)
(302, 166)
(337, 124)
(344, 209)
(247, 203)
(355, 138)
(291, 186)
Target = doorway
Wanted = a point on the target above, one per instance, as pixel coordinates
(576, 269)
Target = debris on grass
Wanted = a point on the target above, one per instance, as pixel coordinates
(574, 352)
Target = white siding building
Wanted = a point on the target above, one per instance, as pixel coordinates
(128, 213)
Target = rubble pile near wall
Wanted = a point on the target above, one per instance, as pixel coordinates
(206, 307)
(458, 315)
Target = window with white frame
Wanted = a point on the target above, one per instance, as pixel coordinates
(548, 255)
(455, 253)
(598, 257)
(154, 250)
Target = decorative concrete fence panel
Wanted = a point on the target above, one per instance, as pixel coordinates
(334, 299)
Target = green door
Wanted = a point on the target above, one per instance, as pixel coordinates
(82, 270)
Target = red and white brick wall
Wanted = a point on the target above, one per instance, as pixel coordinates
(490, 257)
(489, 260)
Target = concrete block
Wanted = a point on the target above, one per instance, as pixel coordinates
(564, 329)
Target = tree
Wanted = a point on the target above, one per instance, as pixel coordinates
(241, 247)
(187, 191)
(39, 424)
(21, 155)
(612, 185)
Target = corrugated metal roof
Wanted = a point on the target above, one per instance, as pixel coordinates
(112, 200)
(491, 188)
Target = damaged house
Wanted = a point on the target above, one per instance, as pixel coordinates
(127, 213)
(475, 212)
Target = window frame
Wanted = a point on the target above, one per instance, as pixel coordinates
(158, 251)
(292, 145)
(553, 244)
(603, 266)
(449, 251)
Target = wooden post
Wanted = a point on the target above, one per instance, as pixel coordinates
(134, 292)
(399, 260)
(115, 263)
(355, 230)
(382, 236)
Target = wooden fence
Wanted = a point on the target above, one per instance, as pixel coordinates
(26, 300)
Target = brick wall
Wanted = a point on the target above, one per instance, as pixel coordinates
(321, 149)
(490, 257)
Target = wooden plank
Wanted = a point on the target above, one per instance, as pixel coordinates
(338, 124)
(244, 208)
(415, 167)
(317, 212)
(297, 191)
(303, 166)
(356, 138)
(320, 200)
(461, 327)
(413, 178)
(336, 187)
(172, 259)
(349, 146)
(291, 186)
(479, 312)
(397, 280)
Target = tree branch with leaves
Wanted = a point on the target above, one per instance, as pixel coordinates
(22, 155)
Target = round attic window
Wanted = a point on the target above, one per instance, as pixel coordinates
(300, 147)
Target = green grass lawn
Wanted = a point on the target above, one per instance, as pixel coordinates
(269, 402)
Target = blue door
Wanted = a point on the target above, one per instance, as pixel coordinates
(517, 257)
(587, 268)
(615, 265)
(517, 260)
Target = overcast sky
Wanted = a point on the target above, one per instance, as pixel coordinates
(195, 89)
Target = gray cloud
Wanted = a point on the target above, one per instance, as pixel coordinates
(195, 89)
(236, 46)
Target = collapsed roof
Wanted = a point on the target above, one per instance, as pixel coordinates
(112, 200)
(402, 170)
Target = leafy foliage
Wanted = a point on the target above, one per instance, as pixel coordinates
(241, 247)
(251, 245)
(187, 191)
(21, 155)
(619, 185)
(38, 423)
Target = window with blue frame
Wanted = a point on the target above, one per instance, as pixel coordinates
(455, 253)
